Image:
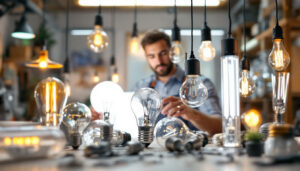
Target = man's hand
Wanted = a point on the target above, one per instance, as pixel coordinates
(175, 108)
(96, 115)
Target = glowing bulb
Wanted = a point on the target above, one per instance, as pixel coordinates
(67, 84)
(279, 59)
(50, 97)
(252, 119)
(115, 78)
(43, 62)
(193, 92)
(247, 85)
(96, 78)
(97, 41)
(177, 52)
(134, 46)
(206, 51)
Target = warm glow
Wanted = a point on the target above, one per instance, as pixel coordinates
(96, 78)
(98, 39)
(244, 87)
(252, 119)
(279, 59)
(247, 85)
(68, 89)
(152, 3)
(206, 51)
(115, 78)
(51, 106)
(43, 62)
(7, 141)
(21, 141)
(134, 45)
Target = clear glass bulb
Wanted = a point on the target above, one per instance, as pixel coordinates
(134, 45)
(252, 119)
(279, 59)
(247, 85)
(206, 51)
(170, 127)
(98, 40)
(230, 100)
(51, 97)
(76, 117)
(177, 52)
(103, 99)
(193, 92)
(93, 134)
(146, 106)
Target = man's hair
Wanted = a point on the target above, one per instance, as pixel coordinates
(154, 36)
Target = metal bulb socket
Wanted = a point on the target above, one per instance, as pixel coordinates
(145, 135)
(75, 140)
(106, 133)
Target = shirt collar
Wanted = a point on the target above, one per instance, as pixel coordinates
(178, 75)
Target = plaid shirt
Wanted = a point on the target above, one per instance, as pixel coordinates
(210, 107)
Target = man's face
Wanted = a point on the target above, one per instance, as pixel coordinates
(157, 55)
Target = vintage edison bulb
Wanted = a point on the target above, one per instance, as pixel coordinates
(279, 59)
(177, 52)
(76, 117)
(134, 45)
(98, 40)
(193, 92)
(252, 119)
(247, 85)
(51, 97)
(206, 51)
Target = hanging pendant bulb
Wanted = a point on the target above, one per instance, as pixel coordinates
(96, 77)
(98, 40)
(206, 50)
(177, 52)
(134, 40)
(115, 76)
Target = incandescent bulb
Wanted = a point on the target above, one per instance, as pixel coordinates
(98, 40)
(76, 117)
(115, 78)
(96, 132)
(146, 106)
(206, 51)
(50, 96)
(134, 45)
(67, 84)
(177, 52)
(247, 85)
(96, 77)
(193, 92)
(279, 59)
(252, 119)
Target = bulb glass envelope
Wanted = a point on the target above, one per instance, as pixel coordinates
(51, 97)
(247, 85)
(104, 98)
(177, 52)
(252, 119)
(280, 84)
(279, 58)
(43, 62)
(134, 45)
(98, 40)
(24, 142)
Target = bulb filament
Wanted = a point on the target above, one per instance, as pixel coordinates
(278, 58)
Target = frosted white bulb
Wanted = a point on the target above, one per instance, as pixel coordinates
(177, 52)
(247, 85)
(104, 97)
(98, 40)
(206, 51)
(193, 92)
(279, 59)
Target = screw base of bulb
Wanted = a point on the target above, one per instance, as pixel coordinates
(106, 133)
(75, 140)
(145, 135)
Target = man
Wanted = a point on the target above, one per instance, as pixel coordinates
(167, 79)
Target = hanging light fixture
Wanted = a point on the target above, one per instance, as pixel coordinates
(115, 75)
(206, 51)
(192, 91)
(67, 68)
(247, 85)
(279, 58)
(177, 51)
(134, 40)
(23, 29)
(113, 67)
(43, 62)
(230, 90)
(98, 40)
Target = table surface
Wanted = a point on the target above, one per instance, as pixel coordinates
(152, 159)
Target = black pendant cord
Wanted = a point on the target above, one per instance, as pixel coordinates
(245, 61)
(113, 31)
(192, 37)
(134, 29)
(99, 8)
(135, 13)
(277, 31)
(229, 17)
(205, 13)
(276, 13)
(67, 60)
(175, 13)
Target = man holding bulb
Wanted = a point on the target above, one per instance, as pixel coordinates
(167, 79)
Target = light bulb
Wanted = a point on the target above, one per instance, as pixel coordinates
(120, 138)
(67, 84)
(96, 132)
(279, 59)
(50, 96)
(170, 127)
(193, 92)
(76, 117)
(115, 78)
(96, 77)
(206, 51)
(247, 85)
(177, 52)
(252, 119)
(146, 106)
(134, 45)
(104, 98)
(98, 40)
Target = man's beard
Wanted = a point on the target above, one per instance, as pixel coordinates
(164, 73)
